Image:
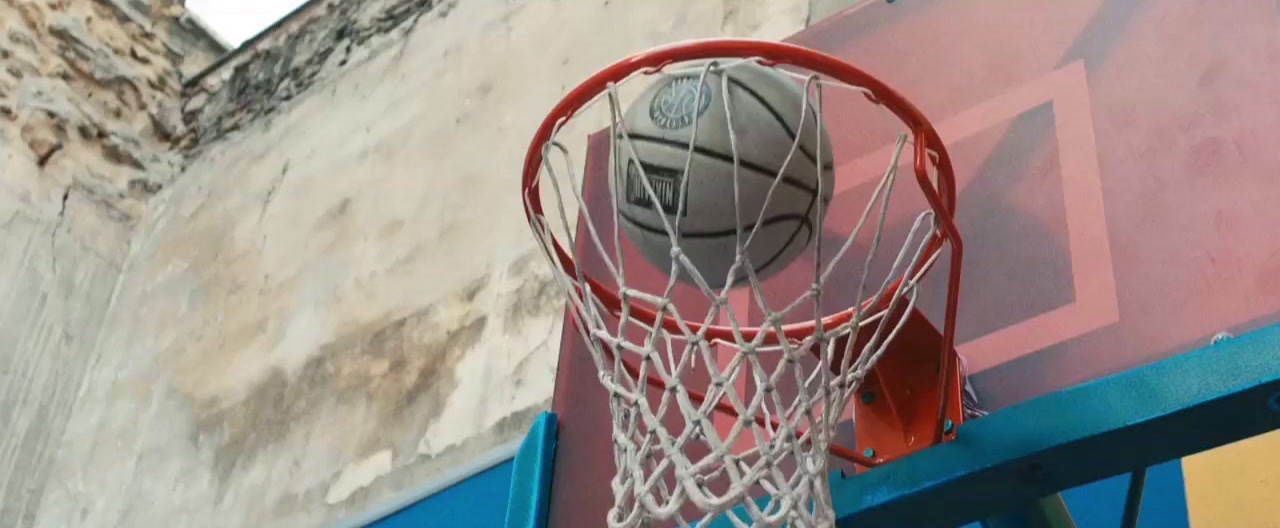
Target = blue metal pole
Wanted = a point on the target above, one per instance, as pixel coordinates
(1133, 500)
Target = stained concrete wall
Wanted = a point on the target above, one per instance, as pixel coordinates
(336, 297)
(88, 106)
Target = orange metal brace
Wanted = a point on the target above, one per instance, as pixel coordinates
(916, 381)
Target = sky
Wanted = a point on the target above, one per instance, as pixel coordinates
(238, 20)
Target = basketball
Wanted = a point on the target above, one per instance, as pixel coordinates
(689, 109)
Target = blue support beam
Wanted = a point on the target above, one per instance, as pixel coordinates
(1180, 406)
(531, 475)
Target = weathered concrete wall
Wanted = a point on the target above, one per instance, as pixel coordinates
(339, 297)
(88, 104)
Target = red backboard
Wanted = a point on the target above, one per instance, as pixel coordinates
(1117, 176)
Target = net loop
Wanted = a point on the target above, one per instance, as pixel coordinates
(718, 401)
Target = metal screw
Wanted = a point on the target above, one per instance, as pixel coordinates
(869, 453)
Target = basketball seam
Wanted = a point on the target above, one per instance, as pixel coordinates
(808, 228)
(813, 195)
(719, 233)
(761, 171)
(802, 221)
(750, 167)
(786, 127)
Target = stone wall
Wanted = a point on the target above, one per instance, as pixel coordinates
(88, 106)
(93, 98)
(339, 298)
(181, 30)
(317, 41)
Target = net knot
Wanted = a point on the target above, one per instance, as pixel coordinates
(714, 397)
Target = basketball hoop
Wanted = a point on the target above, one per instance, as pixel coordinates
(784, 383)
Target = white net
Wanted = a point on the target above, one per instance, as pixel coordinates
(712, 418)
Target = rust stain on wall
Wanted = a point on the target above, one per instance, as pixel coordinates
(396, 373)
(536, 295)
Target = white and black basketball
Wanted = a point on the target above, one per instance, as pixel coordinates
(765, 106)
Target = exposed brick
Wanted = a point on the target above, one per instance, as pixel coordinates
(85, 79)
(313, 48)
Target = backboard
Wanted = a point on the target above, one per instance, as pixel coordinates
(1116, 168)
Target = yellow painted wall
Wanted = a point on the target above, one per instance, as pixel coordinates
(1235, 486)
